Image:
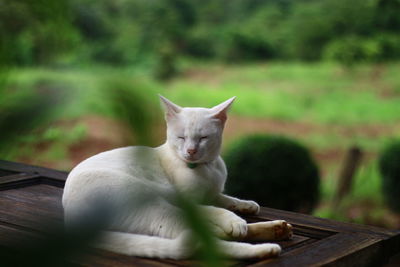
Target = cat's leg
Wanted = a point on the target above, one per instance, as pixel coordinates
(172, 241)
(154, 230)
(238, 205)
(156, 218)
(270, 230)
(181, 247)
(239, 250)
(225, 223)
(147, 246)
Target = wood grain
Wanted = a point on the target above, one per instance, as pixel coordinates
(30, 201)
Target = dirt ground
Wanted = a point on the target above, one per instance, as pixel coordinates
(105, 133)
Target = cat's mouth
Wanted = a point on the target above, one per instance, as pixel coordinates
(191, 159)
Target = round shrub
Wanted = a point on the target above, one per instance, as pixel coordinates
(389, 166)
(274, 171)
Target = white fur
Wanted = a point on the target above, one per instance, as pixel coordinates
(157, 230)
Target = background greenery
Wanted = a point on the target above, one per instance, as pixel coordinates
(155, 32)
(80, 77)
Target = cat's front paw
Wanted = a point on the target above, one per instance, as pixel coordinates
(247, 207)
(229, 225)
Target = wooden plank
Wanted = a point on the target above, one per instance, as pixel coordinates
(44, 196)
(19, 177)
(295, 242)
(340, 249)
(105, 258)
(18, 180)
(44, 190)
(60, 176)
(15, 237)
(17, 246)
(321, 224)
(330, 246)
(12, 236)
(8, 204)
(16, 175)
(5, 172)
(312, 232)
(316, 241)
(32, 197)
(27, 179)
(137, 261)
(28, 216)
(52, 181)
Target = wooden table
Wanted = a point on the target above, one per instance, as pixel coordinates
(28, 194)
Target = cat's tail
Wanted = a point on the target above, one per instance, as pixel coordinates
(147, 246)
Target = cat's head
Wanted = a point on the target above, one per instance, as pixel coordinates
(195, 134)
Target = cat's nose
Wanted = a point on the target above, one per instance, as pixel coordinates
(192, 151)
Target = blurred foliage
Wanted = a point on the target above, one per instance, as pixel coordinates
(35, 32)
(158, 32)
(57, 246)
(390, 171)
(66, 35)
(274, 171)
(22, 111)
(130, 103)
(204, 240)
(351, 49)
(31, 32)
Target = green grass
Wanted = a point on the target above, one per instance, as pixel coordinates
(365, 199)
(318, 93)
(366, 185)
(56, 141)
(88, 87)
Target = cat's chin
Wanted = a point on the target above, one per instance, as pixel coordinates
(191, 160)
(196, 160)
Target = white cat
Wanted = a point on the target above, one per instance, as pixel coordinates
(189, 162)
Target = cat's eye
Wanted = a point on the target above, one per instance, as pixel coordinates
(181, 137)
(203, 137)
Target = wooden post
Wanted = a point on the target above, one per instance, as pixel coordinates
(345, 181)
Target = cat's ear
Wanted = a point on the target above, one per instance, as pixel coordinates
(220, 111)
(171, 109)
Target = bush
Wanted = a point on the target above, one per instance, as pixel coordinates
(352, 49)
(390, 45)
(274, 171)
(390, 171)
(201, 42)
